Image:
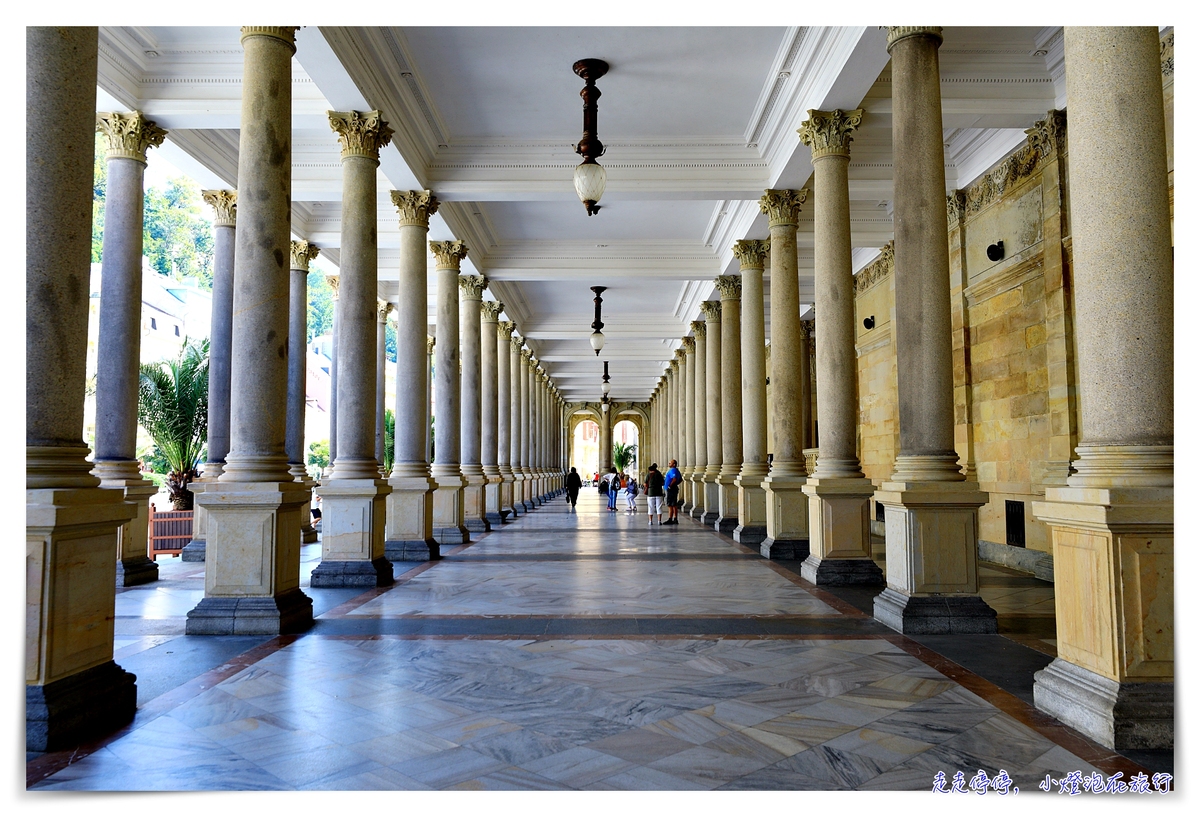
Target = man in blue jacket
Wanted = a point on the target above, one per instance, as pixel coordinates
(673, 480)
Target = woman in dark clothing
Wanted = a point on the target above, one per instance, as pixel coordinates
(574, 483)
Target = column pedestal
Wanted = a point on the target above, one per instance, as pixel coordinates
(475, 500)
(308, 534)
(252, 573)
(507, 482)
(932, 535)
(134, 566)
(840, 553)
(448, 526)
(352, 551)
(408, 523)
(752, 506)
(494, 511)
(727, 504)
(710, 513)
(194, 550)
(696, 487)
(787, 517)
(1114, 552)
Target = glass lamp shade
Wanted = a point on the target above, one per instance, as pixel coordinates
(597, 341)
(604, 407)
(589, 181)
(604, 388)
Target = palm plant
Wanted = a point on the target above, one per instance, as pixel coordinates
(389, 440)
(623, 455)
(173, 408)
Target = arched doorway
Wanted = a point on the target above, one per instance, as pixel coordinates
(585, 448)
(625, 433)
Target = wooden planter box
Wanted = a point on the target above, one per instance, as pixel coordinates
(169, 532)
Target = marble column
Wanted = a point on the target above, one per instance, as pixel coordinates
(687, 393)
(805, 364)
(302, 253)
(504, 424)
(1112, 524)
(535, 469)
(752, 499)
(408, 521)
(470, 295)
(128, 137)
(448, 509)
(730, 287)
(354, 497)
(838, 493)
(700, 413)
(382, 310)
(252, 565)
(540, 434)
(220, 343)
(430, 342)
(675, 386)
(489, 454)
(931, 511)
(712, 409)
(605, 446)
(74, 690)
(786, 505)
(334, 282)
(516, 443)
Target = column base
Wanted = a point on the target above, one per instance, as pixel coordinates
(841, 572)
(289, 612)
(496, 518)
(308, 534)
(727, 504)
(193, 551)
(787, 514)
(136, 570)
(789, 549)
(448, 521)
(408, 521)
(375, 573)
(750, 535)
(934, 615)
(72, 710)
(475, 500)
(752, 509)
(412, 550)
(1116, 715)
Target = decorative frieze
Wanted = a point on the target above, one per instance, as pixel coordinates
(360, 134)
(448, 253)
(1045, 139)
(782, 207)
(730, 287)
(877, 270)
(956, 206)
(414, 207)
(224, 203)
(129, 135)
(751, 253)
(1049, 135)
(1166, 53)
(828, 132)
(302, 253)
(430, 342)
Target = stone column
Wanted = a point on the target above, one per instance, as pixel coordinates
(700, 412)
(786, 505)
(712, 409)
(220, 344)
(129, 136)
(535, 468)
(605, 440)
(687, 393)
(471, 289)
(807, 340)
(1113, 522)
(730, 287)
(430, 342)
(448, 508)
(383, 308)
(516, 444)
(73, 689)
(252, 565)
(504, 424)
(539, 428)
(675, 388)
(334, 283)
(752, 499)
(408, 520)
(302, 253)
(354, 497)
(931, 511)
(489, 412)
(838, 493)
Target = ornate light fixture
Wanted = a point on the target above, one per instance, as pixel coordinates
(590, 176)
(597, 338)
(604, 387)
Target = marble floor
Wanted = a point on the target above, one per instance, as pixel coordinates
(568, 651)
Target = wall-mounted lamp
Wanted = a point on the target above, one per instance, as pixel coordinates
(995, 251)
(869, 323)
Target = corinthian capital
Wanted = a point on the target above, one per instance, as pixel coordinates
(828, 132)
(430, 342)
(699, 329)
(751, 254)
(782, 207)
(730, 287)
(490, 310)
(448, 253)
(472, 286)
(333, 282)
(285, 33)
(129, 135)
(382, 308)
(302, 253)
(415, 207)
(360, 134)
(897, 33)
(527, 355)
(689, 345)
(711, 310)
(224, 202)
(504, 329)
(516, 341)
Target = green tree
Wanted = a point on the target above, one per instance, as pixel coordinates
(99, 188)
(318, 453)
(389, 439)
(623, 455)
(177, 239)
(320, 305)
(173, 408)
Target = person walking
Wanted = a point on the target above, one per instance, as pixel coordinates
(614, 485)
(631, 492)
(574, 483)
(673, 478)
(654, 494)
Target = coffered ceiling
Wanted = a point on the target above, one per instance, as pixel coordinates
(697, 123)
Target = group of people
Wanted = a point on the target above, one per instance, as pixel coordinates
(661, 489)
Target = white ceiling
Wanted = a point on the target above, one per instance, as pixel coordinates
(697, 122)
